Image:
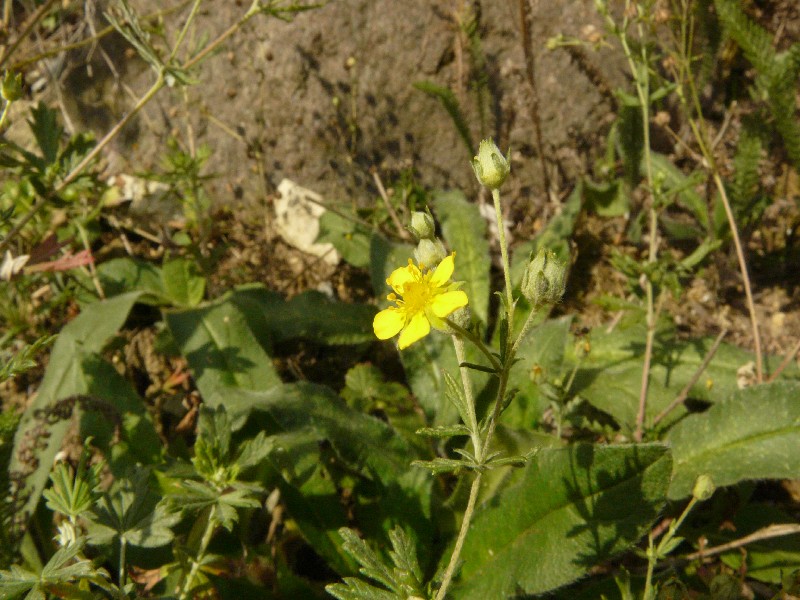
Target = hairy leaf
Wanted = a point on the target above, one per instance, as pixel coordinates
(572, 509)
(754, 434)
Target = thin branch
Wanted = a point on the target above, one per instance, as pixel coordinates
(765, 533)
(32, 21)
(681, 398)
(748, 291)
(390, 209)
(784, 363)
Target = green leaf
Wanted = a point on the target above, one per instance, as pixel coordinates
(311, 316)
(196, 496)
(572, 509)
(130, 512)
(366, 390)
(183, 284)
(541, 356)
(766, 560)
(610, 376)
(606, 199)
(350, 239)
(682, 188)
(45, 129)
(754, 434)
(222, 351)
(465, 233)
(65, 377)
(120, 275)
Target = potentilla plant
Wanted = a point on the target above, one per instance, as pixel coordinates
(427, 301)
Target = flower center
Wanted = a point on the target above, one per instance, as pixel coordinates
(416, 295)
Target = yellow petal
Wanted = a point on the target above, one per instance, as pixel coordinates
(443, 272)
(443, 304)
(388, 323)
(401, 276)
(416, 329)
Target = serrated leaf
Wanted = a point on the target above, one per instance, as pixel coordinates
(754, 434)
(572, 509)
(130, 511)
(464, 231)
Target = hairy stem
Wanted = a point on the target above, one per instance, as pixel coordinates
(466, 383)
(462, 535)
(204, 542)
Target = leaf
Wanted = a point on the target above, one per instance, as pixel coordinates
(45, 129)
(222, 351)
(183, 283)
(768, 559)
(350, 239)
(675, 183)
(572, 509)
(541, 357)
(465, 232)
(608, 199)
(310, 428)
(609, 377)
(84, 337)
(754, 434)
(120, 275)
(196, 496)
(130, 512)
(311, 316)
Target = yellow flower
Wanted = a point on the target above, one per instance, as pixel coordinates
(428, 296)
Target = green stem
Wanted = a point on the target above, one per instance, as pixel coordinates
(123, 547)
(501, 234)
(466, 383)
(462, 534)
(5, 114)
(524, 331)
(184, 30)
(641, 77)
(204, 542)
(477, 342)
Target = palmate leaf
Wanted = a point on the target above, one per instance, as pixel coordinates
(59, 571)
(131, 513)
(196, 496)
(754, 434)
(402, 580)
(571, 509)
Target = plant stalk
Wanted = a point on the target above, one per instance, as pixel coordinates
(462, 535)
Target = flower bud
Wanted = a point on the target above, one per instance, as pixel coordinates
(703, 487)
(544, 281)
(430, 252)
(422, 225)
(11, 89)
(490, 166)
